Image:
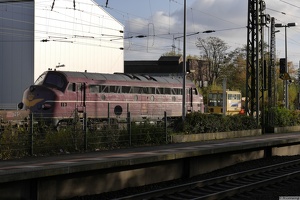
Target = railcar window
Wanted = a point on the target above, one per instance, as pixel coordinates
(94, 88)
(146, 90)
(176, 91)
(118, 89)
(126, 89)
(151, 90)
(234, 96)
(103, 89)
(137, 90)
(167, 90)
(159, 90)
(220, 99)
(54, 80)
(134, 90)
(215, 99)
(114, 89)
(72, 87)
(212, 99)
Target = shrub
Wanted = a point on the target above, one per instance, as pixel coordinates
(281, 117)
(209, 123)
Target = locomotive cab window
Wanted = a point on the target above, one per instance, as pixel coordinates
(40, 79)
(55, 80)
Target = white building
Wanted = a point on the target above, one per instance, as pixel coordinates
(41, 34)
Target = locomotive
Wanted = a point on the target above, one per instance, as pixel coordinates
(58, 96)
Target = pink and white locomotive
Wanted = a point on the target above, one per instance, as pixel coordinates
(59, 95)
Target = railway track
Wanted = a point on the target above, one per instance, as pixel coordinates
(226, 186)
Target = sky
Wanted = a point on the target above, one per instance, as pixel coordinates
(154, 27)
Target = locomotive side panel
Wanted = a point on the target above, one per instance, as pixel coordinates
(63, 95)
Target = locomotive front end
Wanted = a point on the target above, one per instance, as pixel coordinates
(39, 100)
(41, 97)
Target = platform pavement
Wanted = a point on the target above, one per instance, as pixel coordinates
(36, 167)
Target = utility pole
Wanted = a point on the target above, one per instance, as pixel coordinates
(272, 77)
(184, 66)
(252, 67)
(272, 71)
(255, 73)
(286, 77)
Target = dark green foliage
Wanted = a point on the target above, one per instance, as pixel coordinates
(241, 122)
(210, 123)
(44, 140)
(106, 137)
(13, 142)
(147, 134)
(281, 117)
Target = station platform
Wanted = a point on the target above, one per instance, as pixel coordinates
(14, 170)
(73, 166)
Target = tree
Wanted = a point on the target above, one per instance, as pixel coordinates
(171, 53)
(213, 50)
(234, 70)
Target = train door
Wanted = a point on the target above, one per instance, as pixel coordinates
(144, 102)
(73, 101)
(80, 97)
(189, 100)
(144, 106)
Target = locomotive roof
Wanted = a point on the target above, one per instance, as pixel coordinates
(122, 77)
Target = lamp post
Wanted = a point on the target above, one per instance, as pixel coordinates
(184, 66)
(286, 62)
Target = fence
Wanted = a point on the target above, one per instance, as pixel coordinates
(37, 138)
(8, 106)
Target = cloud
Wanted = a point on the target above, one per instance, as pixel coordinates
(201, 16)
(227, 17)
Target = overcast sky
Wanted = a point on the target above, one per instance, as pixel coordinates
(162, 20)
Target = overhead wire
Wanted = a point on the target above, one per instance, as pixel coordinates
(13, 32)
(290, 4)
(286, 17)
(82, 23)
(171, 35)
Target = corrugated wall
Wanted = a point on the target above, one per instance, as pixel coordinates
(16, 50)
(35, 36)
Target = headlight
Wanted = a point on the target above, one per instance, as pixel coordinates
(46, 106)
(31, 88)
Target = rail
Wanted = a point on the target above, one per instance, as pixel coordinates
(225, 186)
